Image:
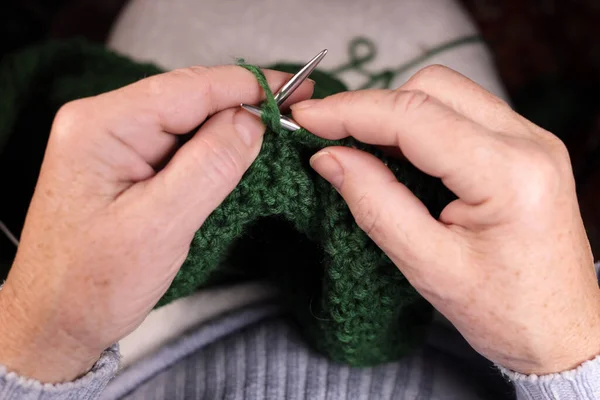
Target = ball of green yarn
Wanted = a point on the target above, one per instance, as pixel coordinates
(283, 222)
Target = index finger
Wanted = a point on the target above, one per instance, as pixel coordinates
(431, 135)
(182, 99)
(146, 114)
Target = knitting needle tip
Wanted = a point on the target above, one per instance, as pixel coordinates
(296, 80)
(252, 109)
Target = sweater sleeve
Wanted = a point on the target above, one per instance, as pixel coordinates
(582, 383)
(88, 387)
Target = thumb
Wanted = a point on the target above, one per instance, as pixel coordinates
(207, 168)
(385, 209)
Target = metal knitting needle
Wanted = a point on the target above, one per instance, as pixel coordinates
(296, 80)
(289, 88)
(286, 123)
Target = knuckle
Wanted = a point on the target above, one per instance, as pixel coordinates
(222, 163)
(201, 78)
(499, 105)
(545, 167)
(408, 101)
(193, 71)
(159, 84)
(347, 99)
(559, 149)
(367, 216)
(535, 175)
(431, 72)
(70, 118)
(344, 102)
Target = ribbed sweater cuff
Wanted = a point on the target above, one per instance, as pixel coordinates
(581, 383)
(88, 387)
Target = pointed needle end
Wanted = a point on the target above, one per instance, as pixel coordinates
(317, 59)
(252, 109)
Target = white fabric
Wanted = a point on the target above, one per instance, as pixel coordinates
(167, 323)
(179, 33)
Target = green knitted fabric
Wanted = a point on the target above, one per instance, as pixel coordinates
(283, 222)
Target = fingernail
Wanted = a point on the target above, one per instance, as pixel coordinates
(329, 168)
(311, 81)
(303, 105)
(249, 127)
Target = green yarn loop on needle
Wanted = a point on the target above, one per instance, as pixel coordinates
(271, 114)
(283, 222)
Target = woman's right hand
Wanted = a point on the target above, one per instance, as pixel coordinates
(116, 207)
(508, 262)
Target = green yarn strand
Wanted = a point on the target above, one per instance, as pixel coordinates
(270, 116)
(362, 51)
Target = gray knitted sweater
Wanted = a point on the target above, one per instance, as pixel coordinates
(254, 353)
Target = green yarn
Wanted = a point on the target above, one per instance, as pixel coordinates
(362, 51)
(283, 222)
(270, 115)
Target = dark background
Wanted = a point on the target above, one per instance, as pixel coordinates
(547, 53)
